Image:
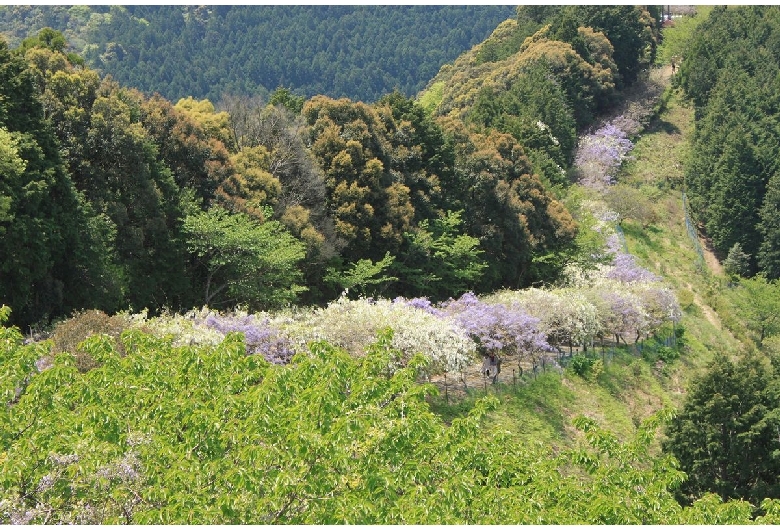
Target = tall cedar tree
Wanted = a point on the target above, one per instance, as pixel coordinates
(726, 436)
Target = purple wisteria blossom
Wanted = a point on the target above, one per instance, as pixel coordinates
(661, 305)
(614, 244)
(496, 327)
(627, 124)
(624, 269)
(419, 303)
(626, 316)
(259, 336)
(600, 154)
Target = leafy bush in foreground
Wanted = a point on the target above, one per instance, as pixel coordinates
(210, 435)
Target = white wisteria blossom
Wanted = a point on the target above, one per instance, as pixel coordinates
(354, 325)
(183, 330)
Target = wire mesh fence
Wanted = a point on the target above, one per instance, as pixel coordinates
(693, 234)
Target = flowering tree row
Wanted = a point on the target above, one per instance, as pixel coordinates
(600, 154)
(620, 301)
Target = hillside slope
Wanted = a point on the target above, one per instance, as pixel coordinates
(175, 423)
(330, 413)
(634, 382)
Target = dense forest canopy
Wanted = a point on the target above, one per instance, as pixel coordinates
(730, 73)
(359, 52)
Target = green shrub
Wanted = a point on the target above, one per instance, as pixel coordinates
(581, 365)
(667, 354)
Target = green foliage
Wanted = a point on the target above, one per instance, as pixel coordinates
(632, 203)
(725, 436)
(12, 168)
(667, 354)
(730, 73)
(630, 30)
(244, 262)
(769, 228)
(352, 181)
(364, 276)
(737, 263)
(210, 435)
(759, 303)
(440, 262)
(535, 111)
(581, 364)
(283, 96)
(676, 38)
(431, 97)
(370, 209)
(46, 38)
(48, 244)
(507, 208)
(505, 41)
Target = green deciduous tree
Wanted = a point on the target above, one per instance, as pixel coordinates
(631, 31)
(184, 434)
(759, 301)
(122, 175)
(243, 261)
(50, 240)
(11, 167)
(371, 207)
(534, 110)
(364, 277)
(440, 261)
(505, 206)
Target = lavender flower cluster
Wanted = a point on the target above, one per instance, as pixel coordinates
(625, 269)
(497, 327)
(421, 303)
(600, 154)
(259, 336)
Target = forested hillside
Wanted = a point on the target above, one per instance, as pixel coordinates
(179, 205)
(360, 52)
(486, 304)
(730, 73)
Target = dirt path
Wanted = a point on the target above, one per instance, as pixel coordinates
(709, 313)
(709, 257)
(660, 79)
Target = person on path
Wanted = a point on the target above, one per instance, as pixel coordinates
(491, 367)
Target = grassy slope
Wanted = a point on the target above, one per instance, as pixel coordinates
(630, 388)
